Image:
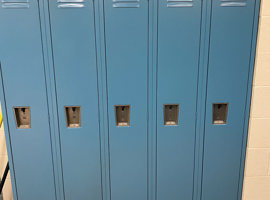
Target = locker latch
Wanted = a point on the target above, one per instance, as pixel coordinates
(220, 111)
(73, 116)
(122, 115)
(171, 112)
(22, 117)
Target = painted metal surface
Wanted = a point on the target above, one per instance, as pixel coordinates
(75, 68)
(178, 62)
(140, 53)
(228, 72)
(126, 36)
(24, 84)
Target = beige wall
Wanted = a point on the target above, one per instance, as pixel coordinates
(257, 172)
(7, 191)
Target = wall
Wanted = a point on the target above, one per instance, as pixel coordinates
(7, 191)
(257, 172)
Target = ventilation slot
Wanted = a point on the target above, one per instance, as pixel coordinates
(15, 4)
(233, 3)
(126, 4)
(70, 3)
(179, 3)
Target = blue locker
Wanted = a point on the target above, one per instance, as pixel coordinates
(126, 37)
(23, 80)
(228, 73)
(179, 25)
(74, 53)
(102, 63)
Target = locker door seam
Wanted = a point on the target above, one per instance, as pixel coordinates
(98, 96)
(147, 99)
(107, 99)
(206, 91)
(156, 89)
(197, 97)
(147, 96)
(47, 99)
(56, 99)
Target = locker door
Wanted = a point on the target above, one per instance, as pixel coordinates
(23, 79)
(229, 57)
(178, 58)
(74, 51)
(126, 25)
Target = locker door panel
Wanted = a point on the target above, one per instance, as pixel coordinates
(229, 57)
(178, 57)
(126, 32)
(24, 85)
(74, 51)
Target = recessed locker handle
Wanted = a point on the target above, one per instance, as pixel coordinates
(220, 112)
(22, 117)
(171, 113)
(122, 115)
(73, 116)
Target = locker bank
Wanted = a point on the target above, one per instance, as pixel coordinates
(127, 99)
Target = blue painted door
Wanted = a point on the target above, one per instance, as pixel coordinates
(126, 34)
(74, 52)
(229, 63)
(24, 85)
(179, 24)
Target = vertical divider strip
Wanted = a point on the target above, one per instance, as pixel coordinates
(201, 98)
(152, 99)
(103, 98)
(51, 94)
